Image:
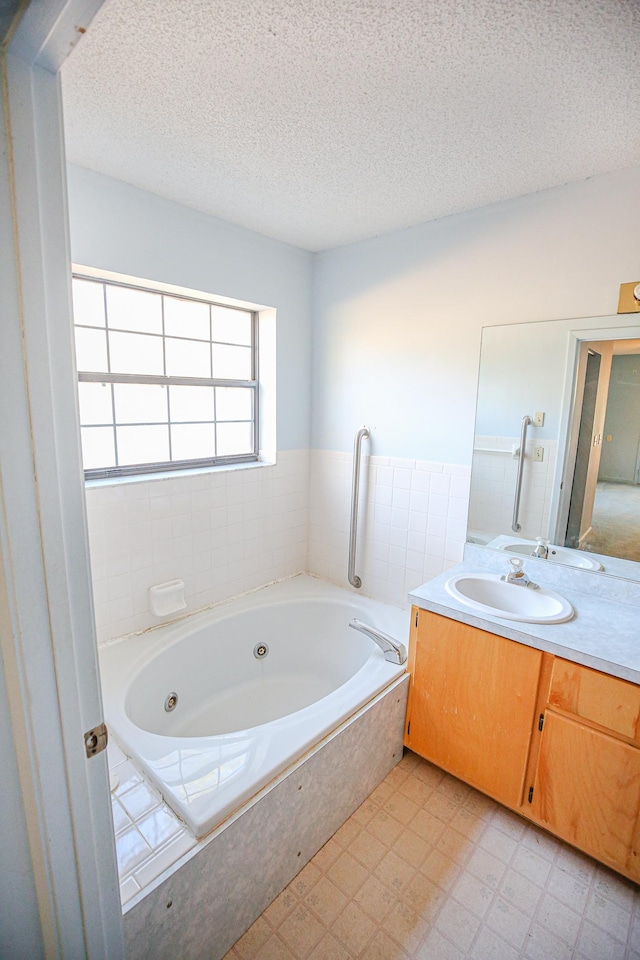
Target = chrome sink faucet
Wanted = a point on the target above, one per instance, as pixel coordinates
(517, 576)
(541, 548)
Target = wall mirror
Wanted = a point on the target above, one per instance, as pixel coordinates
(573, 387)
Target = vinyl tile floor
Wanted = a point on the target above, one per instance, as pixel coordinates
(429, 869)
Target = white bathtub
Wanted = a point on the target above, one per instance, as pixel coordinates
(241, 721)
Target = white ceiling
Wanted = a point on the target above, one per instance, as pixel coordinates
(321, 122)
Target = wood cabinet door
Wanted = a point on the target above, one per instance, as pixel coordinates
(587, 791)
(472, 703)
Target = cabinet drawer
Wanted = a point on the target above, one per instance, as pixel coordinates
(595, 696)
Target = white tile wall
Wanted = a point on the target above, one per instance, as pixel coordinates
(494, 485)
(230, 531)
(412, 527)
(222, 532)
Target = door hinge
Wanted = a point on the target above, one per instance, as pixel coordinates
(416, 618)
(541, 722)
(95, 740)
(530, 794)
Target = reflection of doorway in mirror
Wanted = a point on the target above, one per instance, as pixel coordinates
(610, 521)
(621, 446)
(585, 474)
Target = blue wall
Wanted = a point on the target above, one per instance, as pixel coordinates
(117, 227)
(398, 319)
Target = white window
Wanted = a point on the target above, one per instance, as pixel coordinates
(165, 381)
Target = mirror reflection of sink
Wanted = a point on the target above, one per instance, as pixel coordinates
(524, 548)
(488, 593)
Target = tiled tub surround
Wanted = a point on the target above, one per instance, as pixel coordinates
(412, 520)
(223, 532)
(240, 721)
(228, 531)
(199, 908)
(494, 486)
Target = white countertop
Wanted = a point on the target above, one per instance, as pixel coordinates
(604, 633)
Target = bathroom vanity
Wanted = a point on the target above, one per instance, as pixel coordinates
(543, 718)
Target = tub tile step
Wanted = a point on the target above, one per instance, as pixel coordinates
(128, 776)
(131, 850)
(158, 827)
(121, 819)
(138, 801)
(164, 858)
(128, 890)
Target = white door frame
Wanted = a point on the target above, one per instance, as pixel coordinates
(621, 327)
(47, 633)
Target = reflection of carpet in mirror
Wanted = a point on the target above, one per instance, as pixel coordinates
(616, 521)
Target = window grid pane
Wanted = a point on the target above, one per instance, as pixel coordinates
(193, 441)
(94, 401)
(234, 403)
(230, 362)
(190, 319)
(207, 422)
(142, 444)
(139, 311)
(92, 352)
(98, 448)
(88, 298)
(234, 439)
(230, 325)
(187, 358)
(140, 403)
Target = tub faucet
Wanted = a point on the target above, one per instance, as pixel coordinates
(394, 651)
(517, 576)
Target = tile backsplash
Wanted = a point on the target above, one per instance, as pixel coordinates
(229, 531)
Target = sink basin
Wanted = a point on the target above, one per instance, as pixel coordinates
(487, 593)
(571, 558)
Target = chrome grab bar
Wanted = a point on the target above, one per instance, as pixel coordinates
(362, 434)
(515, 526)
(394, 651)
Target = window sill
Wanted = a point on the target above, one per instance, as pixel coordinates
(177, 474)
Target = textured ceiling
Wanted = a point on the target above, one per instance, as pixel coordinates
(320, 122)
